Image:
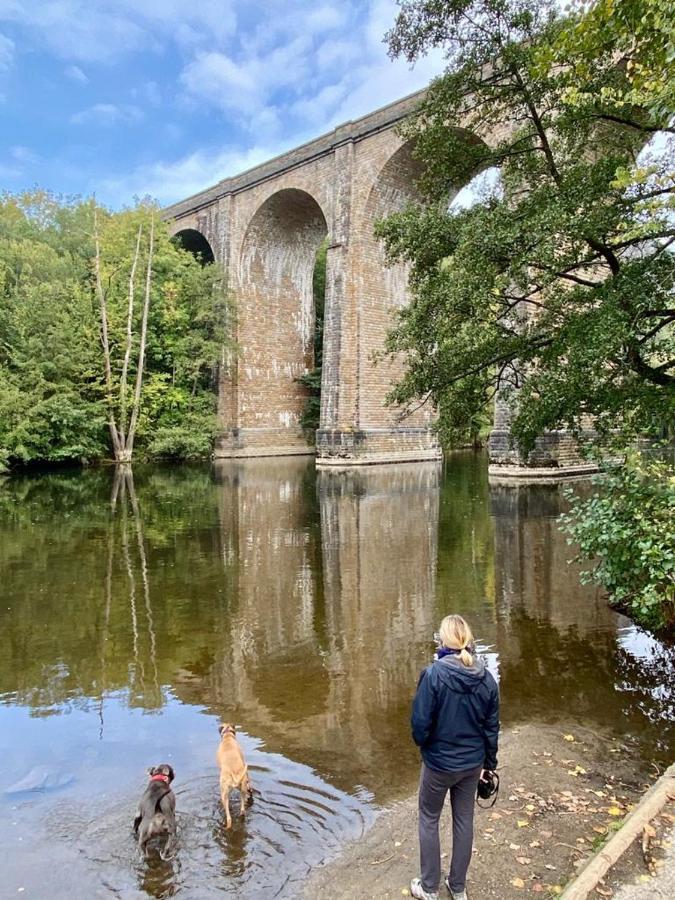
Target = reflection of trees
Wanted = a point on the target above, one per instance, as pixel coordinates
(76, 557)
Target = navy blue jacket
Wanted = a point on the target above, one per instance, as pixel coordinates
(455, 716)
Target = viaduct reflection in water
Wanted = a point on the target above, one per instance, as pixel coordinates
(320, 651)
(302, 606)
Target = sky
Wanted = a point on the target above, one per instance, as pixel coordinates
(128, 98)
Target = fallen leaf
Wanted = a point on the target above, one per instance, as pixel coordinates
(600, 793)
(649, 831)
(523, 823)
(555, 889)
(568, 737)
(535, 844)
(538, 887)
(405, 892)
(514, 846)
(523, 860)
(604, 892)
(600, 829)
(495, 815)
(615, 811)
(518, 883)
(549, 867)
(397, 843)
(530, 807)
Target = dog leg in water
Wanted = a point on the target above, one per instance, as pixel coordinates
(226, 805)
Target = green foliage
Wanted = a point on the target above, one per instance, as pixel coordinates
(554, 289)
(311, 380)
(628, 528)
(52, 390)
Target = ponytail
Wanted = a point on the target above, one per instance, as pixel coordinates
(456, 635)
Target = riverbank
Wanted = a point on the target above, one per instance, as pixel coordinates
(564, 790)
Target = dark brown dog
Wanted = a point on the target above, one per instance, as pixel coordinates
(157, 811)
(233, 770)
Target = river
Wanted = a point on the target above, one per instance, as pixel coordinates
(138, 612)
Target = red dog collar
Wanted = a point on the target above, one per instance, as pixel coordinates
(164, 778)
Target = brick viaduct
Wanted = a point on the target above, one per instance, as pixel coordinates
(264, 226)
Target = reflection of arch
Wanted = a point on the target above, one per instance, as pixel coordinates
(276, 309)
(194, 242)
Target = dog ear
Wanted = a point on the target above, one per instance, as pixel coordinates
(152, 770)
(221, 729)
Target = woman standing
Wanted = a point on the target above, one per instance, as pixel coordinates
(455, 723)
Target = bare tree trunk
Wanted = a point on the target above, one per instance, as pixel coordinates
(129, 442)
(127, 351)
(112, 425)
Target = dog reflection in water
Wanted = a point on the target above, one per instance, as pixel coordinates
(233, 771)
(156, 816)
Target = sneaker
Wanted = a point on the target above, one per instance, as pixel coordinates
(418, 891)
(456, 895)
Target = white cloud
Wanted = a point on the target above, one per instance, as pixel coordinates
(6, 53)
(168, 182)
(91, 32)
(107, 114)
(23, 154)
(246, 85)
(75, 73)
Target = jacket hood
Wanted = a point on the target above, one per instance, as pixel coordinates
(458, 677)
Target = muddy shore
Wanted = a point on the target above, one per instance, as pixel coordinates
(563, 793)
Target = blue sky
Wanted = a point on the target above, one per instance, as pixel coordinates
(164, 97)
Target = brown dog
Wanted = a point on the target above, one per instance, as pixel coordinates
(156, 814)
(233, 770)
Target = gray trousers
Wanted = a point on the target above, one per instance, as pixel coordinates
(433, 788)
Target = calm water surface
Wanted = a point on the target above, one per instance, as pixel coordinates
(137, 613)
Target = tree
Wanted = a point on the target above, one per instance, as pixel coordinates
(556, 288)
(311, 414)
(104, 346)
(627, 529)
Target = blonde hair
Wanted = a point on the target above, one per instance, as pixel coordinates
(456, 635)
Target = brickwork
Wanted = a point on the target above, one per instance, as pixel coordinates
(265, 227)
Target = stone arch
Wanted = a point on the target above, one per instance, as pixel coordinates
(276, 316)
(196, 243)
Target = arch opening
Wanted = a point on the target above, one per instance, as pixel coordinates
(194, 242)
(277, 310)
